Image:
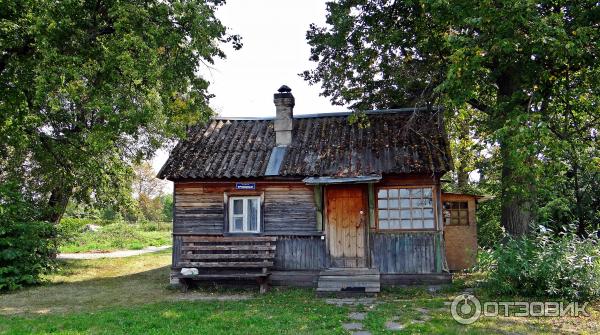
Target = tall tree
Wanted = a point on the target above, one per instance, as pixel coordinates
(148, 190)
(89, 86)
(504, 58)
(145, 181)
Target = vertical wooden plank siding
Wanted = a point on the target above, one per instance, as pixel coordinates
(371, 192)
(177, 243)
(403, 252)
(300, 253)
(439, 256)
(318, 189)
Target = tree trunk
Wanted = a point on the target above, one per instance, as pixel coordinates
(462, 176)
(517, 208)
(578, 206)
(57, 203)
(518, 186)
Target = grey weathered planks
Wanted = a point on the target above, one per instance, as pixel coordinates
(227, 256)
(287, 210)
(226, 264)
(225, 239)
(403, 252)
(300, 253)
(197, 211)
(349, 279)
(177, 243)
(227, 247)
(296, 278)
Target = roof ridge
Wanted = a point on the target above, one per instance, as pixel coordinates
(405, 110)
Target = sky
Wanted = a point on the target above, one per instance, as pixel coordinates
(274, 52)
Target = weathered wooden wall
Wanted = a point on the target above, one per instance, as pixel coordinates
(403, 252)
(197, 210)
(288, 208)
(177, 243)
(292, 253)
(300, 253)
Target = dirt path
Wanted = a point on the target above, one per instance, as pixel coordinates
(113, 254)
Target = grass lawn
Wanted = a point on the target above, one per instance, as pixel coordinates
(117, 236)
(131, 296)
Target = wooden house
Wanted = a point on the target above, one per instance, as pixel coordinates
(312, 200)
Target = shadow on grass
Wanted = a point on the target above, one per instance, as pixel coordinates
(67, 267)
(89, 294)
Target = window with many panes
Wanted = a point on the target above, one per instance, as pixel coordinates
(244, 214)
(456, 213)
(405, 208)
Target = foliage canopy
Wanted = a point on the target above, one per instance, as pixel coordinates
(89, 87)
(529, 69)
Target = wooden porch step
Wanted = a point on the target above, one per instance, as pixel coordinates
(349, 272)
(349, 280)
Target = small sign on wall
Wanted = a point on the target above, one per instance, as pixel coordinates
(245, 186)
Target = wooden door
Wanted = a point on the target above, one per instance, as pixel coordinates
(346, 222)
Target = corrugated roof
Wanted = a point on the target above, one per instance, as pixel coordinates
(321, 146)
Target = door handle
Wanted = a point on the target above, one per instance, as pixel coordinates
(360, 221)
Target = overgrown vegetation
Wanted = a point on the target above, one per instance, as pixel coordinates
(27, 244)
(112, 235)
(544, 265)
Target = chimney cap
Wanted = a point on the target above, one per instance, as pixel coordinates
(284, 89)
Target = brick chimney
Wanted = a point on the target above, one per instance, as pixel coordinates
(284, 114)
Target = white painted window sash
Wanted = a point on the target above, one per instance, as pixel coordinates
(245, 215)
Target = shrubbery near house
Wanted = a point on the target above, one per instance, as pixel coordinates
(27, 244)
(543, 265)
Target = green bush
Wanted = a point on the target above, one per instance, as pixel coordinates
(155, 226)
(542, 265)
(27, 245)
(69, 227)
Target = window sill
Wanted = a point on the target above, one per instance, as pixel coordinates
(242, 234)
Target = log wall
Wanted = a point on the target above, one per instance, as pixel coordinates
(288, 208)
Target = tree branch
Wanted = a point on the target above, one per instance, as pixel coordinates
(477, 104)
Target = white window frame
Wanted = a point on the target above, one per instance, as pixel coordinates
(244, 215)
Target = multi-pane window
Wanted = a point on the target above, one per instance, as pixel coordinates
(456, 213)
(244, 214)
(405, 208)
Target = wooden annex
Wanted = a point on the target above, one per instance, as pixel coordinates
(312, 200)
(460, 230)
